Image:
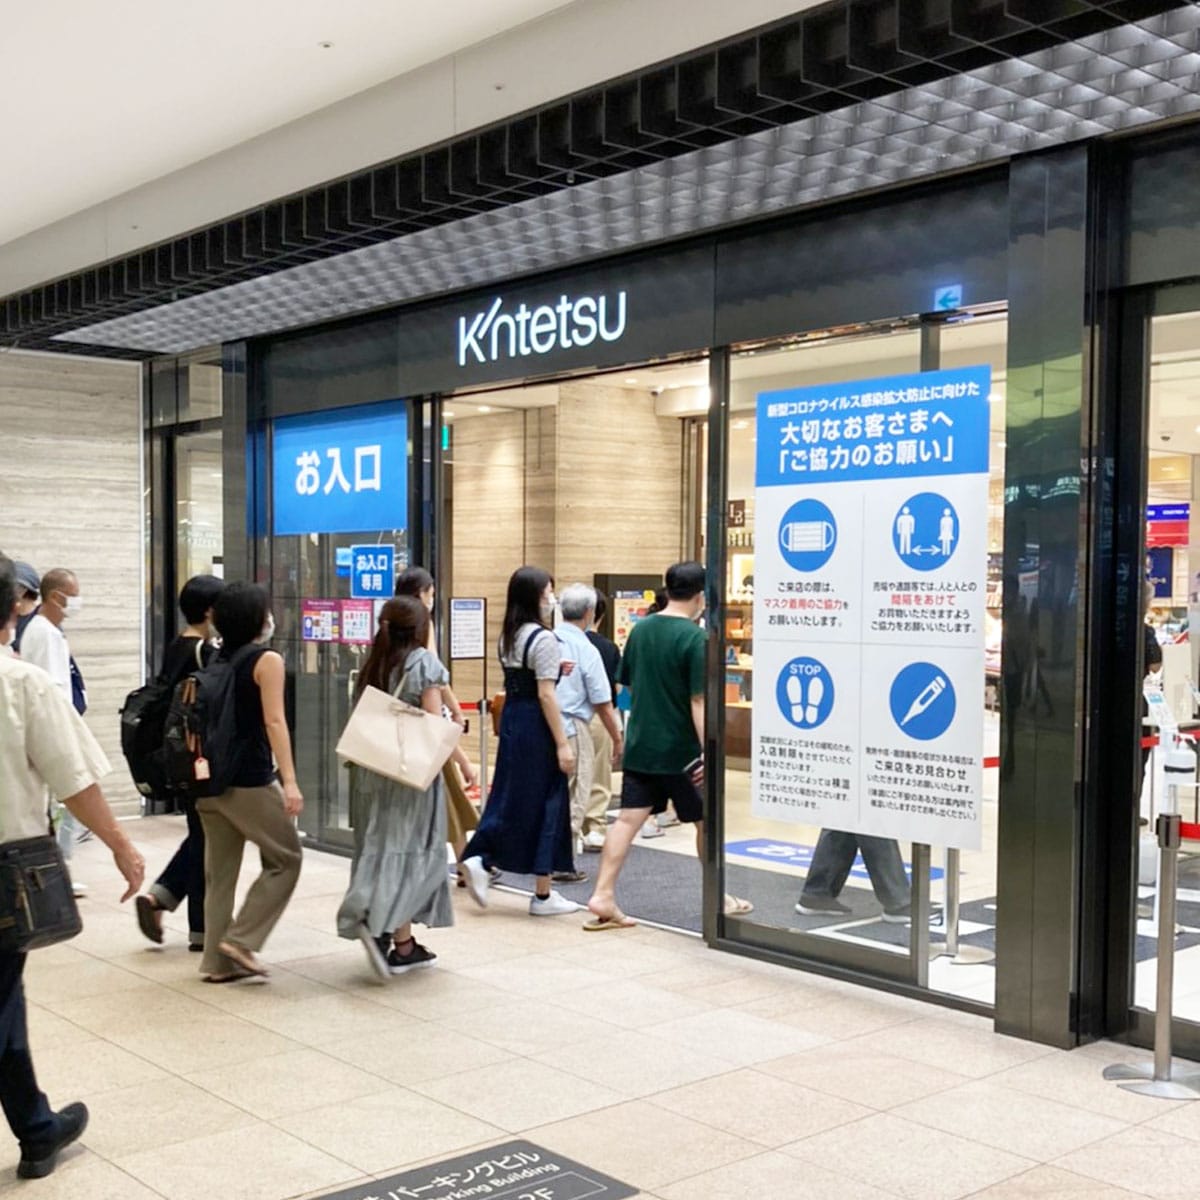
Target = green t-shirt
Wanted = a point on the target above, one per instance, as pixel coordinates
(663, 667)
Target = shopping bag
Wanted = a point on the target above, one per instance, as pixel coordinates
(394, 739)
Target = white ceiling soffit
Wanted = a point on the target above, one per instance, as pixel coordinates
(1134, 75)
(126, 91)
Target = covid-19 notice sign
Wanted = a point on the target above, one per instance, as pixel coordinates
(871, 570)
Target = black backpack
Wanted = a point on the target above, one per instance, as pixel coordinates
(201, 747)
(143, 725)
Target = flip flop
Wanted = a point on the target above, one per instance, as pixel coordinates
(618, 920)
(232, 977)
(737, 907)
(243, 957)
(146, 911)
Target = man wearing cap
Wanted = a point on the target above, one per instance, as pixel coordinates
(42, 743)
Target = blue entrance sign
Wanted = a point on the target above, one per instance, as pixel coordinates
(372, 572)
(902, 426)
(947, 299)
(344, 471)
(773, 852)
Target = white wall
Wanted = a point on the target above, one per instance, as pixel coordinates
(575, 48)
(70, 496)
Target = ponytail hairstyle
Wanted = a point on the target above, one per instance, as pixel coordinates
(403, 628)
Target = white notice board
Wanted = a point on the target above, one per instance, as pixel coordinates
(468, 627)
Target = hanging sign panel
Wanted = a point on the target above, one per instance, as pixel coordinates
(869, 605)
(344, 471)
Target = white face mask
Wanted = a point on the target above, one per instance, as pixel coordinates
(546, 609)
(268, 630)
(72, 605)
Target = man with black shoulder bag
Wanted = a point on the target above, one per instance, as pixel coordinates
(43, 743)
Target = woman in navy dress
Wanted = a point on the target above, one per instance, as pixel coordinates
(526, 826)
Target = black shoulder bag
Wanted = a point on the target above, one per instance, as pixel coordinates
(37, 906)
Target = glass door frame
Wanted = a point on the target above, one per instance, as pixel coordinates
(863, 964)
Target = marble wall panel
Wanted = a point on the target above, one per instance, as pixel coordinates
(70, 496)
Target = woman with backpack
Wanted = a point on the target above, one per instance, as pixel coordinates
(262, 800)
(183, 877)
(526, 826)
(398, 875)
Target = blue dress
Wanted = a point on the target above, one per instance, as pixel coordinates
(526, 826)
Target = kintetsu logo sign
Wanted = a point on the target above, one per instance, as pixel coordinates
(493, 334)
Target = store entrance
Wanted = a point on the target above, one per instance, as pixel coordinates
(1168, 657)
(597, 480)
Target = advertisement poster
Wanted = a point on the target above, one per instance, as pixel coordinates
(320, 620)
(468, 627)
(869, 606)
(358, 622)
(628, 609)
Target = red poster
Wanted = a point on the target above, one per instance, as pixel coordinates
(358, 622)
(320, 620)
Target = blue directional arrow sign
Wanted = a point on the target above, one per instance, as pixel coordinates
(946, 299)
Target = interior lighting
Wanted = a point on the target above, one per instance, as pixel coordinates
(631, 379)
(448, 414)
(483, 408)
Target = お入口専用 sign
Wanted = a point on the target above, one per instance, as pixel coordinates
(372, 572)
(344, 471)
(869, 603)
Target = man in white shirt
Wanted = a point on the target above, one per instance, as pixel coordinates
(582, 694)
(44, 643)
(43, 742)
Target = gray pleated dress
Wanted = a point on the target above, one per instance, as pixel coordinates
(399, 871)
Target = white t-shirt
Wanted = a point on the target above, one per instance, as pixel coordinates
(45, 645)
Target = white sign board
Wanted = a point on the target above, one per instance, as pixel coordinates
(869, 605)
(468, 628)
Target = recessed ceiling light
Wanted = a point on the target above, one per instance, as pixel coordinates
(631, 379)
(740, 424)
(447, 413)
(483, 408)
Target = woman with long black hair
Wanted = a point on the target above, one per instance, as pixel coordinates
(526, 826)
(398, 874)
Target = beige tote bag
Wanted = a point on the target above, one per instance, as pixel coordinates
(391, 738)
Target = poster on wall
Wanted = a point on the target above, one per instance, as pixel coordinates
(628, 609)
(869, 605)
(468, 627)
(358, 622)
(320, 620)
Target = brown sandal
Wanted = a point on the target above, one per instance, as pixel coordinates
(243, 957)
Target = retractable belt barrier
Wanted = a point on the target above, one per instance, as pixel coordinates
(1158, 1079)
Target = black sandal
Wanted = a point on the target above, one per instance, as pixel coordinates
(147, 907)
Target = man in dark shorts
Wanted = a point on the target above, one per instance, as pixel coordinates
(663, 667)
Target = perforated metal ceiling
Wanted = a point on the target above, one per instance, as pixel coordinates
(837, 102)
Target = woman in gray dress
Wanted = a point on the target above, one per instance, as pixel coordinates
(398, 875)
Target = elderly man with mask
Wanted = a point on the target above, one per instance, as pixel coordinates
(43, 743)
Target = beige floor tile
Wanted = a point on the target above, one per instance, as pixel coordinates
(742, 1039)
(80, 1174)
(760, 1108)
(211, 1042)
(519, 1095)
(156, 1114)
(1053, 1183)
(751, 987)
(967, 1050)
(254, 995)
(529, 1027)
(116, 1012)
(85, 1069)
(909, 1160)
(643, 1145)
(59, 982)
(432, 995)
(170, 964)
(383, 1132)
(635, 1064)
(636, 952)
(1074, 1078)
(864, 1076)
(698, 973)
(771, 1175)
(257, 1162)
(1141, 1160)
(320, 1020)
(343, 970)
(630, 1003)
(47, 1029)
(420, 1054)
(285, 1083)
(839, 1018)
(1031, 1126)
(297, 941)
(539, 975)
(1182, 1119)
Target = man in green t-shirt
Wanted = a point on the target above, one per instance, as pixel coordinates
(663, 667)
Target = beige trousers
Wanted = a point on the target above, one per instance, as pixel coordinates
(230, 820)
(581, 775)
(595, 819)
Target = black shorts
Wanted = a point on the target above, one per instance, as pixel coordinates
(640, 789)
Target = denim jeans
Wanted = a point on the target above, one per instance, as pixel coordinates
(25, 1106)
(834, 856)
(184, 876)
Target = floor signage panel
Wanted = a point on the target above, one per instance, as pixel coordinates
(516, 1170)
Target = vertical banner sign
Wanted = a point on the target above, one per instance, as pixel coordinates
(344, 471)
(468, 627)
(869, 605)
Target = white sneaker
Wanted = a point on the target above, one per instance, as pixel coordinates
(666, 820)
(376, 952)
(78, 890)
(594, 842)
(651, 829)
(554, 905)
(477, 880)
